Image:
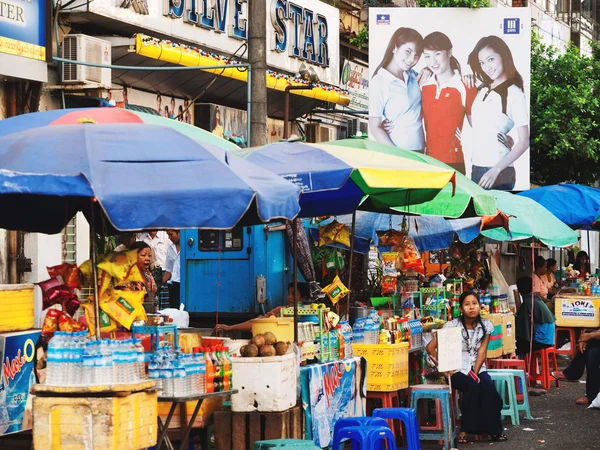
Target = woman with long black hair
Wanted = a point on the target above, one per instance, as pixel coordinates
(480, 403)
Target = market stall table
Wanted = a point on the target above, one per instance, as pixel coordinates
(177, 401)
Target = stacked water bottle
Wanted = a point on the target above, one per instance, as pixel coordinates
(346, 330)
(179, 374)
(74, 360)
(372, 325)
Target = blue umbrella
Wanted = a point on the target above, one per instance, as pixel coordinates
(142, 176)
(576, 205)
(429, 232)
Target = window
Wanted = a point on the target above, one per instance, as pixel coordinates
(69, 243)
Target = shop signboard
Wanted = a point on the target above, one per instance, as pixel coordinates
(20, 358)
(454, 82)
(355, 79)
(335, 390)
(298, 36)
(23, 28)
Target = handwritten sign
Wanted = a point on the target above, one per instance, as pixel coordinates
(449, 349)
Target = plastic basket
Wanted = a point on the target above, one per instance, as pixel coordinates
(387, 365)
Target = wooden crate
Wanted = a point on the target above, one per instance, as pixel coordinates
(95, 423)
(238, 431)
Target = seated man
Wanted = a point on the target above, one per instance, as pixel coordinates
(543, 320)
(588, 358)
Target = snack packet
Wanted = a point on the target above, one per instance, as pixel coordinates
(68, 324)
(389, 285)
(390, 238)
(336, 290)
(409, 258)
(333, 233)
(68, 272)
(50, 324)
(122, 266)
(389, 264)
(106, 323)
(125, 307)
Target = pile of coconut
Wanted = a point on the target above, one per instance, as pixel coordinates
(264, 344)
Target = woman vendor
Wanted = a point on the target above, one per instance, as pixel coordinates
(303, 295)
(144, 259)
(582, 264)
(480, 403)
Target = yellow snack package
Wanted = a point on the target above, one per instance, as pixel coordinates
(333, 233)
(106, 323)
(122, 266)
(336, 290)
(125, 307)
(104, 286)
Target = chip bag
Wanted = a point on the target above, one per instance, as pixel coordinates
(409, 258)
(125, 307)
(389, 264)
(50, 290)
(50, 324)
(68, 272)
(106, 323)
(70, 325)
(333, 260)
(390, 238)
(336, 290)
(122, 266)
(389, 285)
(334, 233)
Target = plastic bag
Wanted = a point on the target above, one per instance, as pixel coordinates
(180, 317)
(125, 307)
(595, 403)
(333, 233)
(122, 266)
(409, 258)
(336, 290)
(106, 323)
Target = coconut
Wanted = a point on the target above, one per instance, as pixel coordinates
(270, 338)
(267, 350)
(251, 351)
(244, 350)
(281, 348)
(258, 340)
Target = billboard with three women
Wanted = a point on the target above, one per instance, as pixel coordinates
(453, 83)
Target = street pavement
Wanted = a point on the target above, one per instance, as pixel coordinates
(558, 424)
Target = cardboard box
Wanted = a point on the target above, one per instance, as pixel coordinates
(495, 345)
(508, 334)
(577, 311)
(19, 357)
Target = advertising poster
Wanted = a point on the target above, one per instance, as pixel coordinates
(454, 83)
(19, 359)
(336, 390)
(355, 79)
(165, 105)
(227, 123)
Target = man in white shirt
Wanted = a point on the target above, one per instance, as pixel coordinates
(172, 275)
(159, 243)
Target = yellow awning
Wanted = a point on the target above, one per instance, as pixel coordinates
(185, 56)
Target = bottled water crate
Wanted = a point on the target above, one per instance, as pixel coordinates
(387, 365)
(95, 423)
(264, 384)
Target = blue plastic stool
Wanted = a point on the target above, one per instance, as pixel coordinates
(367, 438)
(409, 417)
(520, 374)
(448, 433)
(505, 385)
(357, 422)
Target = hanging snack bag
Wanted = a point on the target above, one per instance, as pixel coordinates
(333, 260)
(50, 324)
(409, 258)
(389, 285)
(68, 272)
(125, 307)
(390, 238)
(389, 264)
(122, 266)
(336, 290)
(70, 325)
(106, 323)
(334, 233)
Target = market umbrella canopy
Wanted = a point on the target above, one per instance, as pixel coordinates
(468, 200)
(338, 180)
(105, 116)
(143, 177)
(576, 205)
(528, 220)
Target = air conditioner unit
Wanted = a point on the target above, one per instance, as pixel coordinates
(352, 125)
(326, 134)
(79, 47)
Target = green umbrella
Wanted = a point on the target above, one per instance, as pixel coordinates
(469, 199)
(528, 220)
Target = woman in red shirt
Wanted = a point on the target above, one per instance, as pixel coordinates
(445, 101)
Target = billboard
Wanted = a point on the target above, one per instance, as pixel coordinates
(165, 105)
(454, 83)
(355, 79)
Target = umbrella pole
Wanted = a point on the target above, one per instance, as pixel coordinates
(295, 253)
(351, 262)
(95, 272)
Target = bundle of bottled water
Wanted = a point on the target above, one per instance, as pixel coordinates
(74, 360)
(176, 373)
(366, 329)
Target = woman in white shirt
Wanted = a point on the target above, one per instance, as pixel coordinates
(499, 107)
(480, 403)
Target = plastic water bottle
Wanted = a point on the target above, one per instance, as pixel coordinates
(347, 334)
(334, 343)
(201, 375)
(141, 358)
(167, 374)
(105, 364)
(154, 375)
(371, 335)
(358, 331)
(54, 366)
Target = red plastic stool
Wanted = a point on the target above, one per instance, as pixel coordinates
(544, 357)
(510, 364)
(388, 400)
(572, 339)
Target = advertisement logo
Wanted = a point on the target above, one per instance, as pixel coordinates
(383, 19)
(512, 26)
